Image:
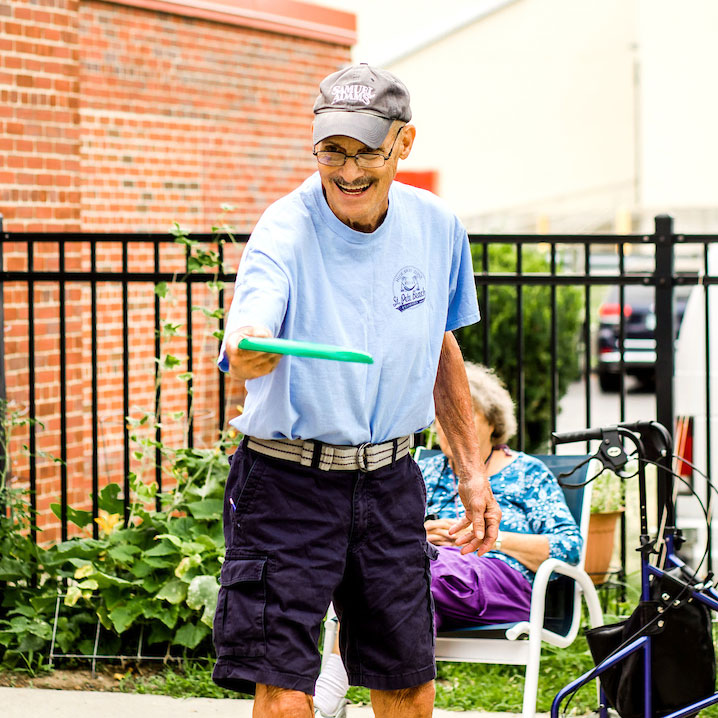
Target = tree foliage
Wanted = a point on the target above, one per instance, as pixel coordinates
(533, 331)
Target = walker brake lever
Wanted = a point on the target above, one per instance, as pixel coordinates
(611, 453)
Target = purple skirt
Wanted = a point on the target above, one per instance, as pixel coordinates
(470, 590)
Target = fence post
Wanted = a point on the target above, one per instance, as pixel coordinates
(2, 321)
(665, 341)
(3, 394)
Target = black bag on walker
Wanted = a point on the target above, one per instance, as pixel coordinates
(683, 666)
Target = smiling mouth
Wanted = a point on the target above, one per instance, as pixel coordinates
(353, 190)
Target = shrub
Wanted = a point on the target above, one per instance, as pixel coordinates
(536, 335)
(23, 630)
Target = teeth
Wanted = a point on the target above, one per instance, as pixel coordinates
(352, 190)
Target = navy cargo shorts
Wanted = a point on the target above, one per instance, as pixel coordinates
(298, 538)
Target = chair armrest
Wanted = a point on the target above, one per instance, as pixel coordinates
(538, 597)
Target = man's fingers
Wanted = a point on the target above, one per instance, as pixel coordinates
(237, 335)
(265, 360)
(470, 547)
(479, 525)
(481, 547)
(462, 523)
(247, 364)
(260, 366)
(482, 534)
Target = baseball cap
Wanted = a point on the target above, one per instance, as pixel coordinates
(360, 102)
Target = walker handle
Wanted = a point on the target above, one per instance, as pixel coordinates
(570, 437)
(640, 427)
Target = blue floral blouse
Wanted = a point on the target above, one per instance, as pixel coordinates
(530, 499)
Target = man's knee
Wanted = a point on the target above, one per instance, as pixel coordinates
(274, 702)
(416, 702)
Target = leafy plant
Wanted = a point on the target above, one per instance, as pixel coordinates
(23, 628)
(535, 328)
(158, 574)
(153, 578)
(607, 494)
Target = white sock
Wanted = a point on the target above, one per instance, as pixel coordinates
(332, 686)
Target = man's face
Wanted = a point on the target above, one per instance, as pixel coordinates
(359, 196)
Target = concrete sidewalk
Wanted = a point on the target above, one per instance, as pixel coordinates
(27, 702)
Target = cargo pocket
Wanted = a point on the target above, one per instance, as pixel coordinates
(431, 553)
(239, 621)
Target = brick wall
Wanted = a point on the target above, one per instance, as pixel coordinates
(120, 118)
(191, 118)
(40, 115)
(127, 117)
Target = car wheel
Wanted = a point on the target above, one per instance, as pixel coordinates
(647, 380)
(609, 382)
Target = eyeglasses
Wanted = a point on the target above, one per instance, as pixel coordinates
(363, 159)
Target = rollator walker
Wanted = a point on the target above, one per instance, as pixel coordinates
(661, 660)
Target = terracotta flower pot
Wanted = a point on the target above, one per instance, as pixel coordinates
(599, 545)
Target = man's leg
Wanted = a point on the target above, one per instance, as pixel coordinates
(273, 702)
(417, 702)
(384, 599)
(284, 522)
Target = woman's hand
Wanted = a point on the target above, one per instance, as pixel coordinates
(437, 532)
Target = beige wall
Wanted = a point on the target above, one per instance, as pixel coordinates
(679, 104)
(529, 110)
(564, 115)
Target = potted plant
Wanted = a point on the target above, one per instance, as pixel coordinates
(607, 505)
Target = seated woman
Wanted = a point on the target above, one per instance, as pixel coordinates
(536, 524)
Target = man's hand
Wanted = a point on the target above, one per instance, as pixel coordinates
(455, 412)
(482, 515)
(245, 364)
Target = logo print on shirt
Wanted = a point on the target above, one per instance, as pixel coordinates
(409, 288)
(353, 93)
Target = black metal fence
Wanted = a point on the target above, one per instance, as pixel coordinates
(29, 261)
(42, 262)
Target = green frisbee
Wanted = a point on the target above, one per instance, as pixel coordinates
(304, 349)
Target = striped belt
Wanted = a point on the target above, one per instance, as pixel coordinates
(328, 457)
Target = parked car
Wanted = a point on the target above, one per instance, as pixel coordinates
(639, 345)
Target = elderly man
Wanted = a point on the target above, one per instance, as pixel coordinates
(323, 501)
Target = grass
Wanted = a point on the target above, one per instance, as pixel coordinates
(193, 679)
(460, 686)
(479, 687)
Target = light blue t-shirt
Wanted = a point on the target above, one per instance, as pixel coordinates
(392, 293)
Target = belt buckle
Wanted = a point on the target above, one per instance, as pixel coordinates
(362, 458)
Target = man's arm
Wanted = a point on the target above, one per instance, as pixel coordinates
(456, 416)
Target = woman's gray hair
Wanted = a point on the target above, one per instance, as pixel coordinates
(492, 399)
